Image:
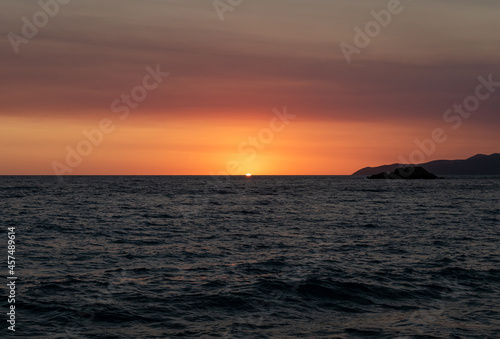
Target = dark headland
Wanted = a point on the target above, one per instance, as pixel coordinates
(477, 165)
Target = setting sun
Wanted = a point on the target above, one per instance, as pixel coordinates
(249, 175)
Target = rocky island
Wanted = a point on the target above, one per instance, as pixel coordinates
(479, 164)
(410, 172)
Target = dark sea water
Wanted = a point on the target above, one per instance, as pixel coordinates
(265, 257)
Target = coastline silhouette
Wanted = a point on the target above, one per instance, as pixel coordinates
(479, 164)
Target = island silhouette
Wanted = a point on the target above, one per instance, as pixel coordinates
(409, 172)
(479, 164)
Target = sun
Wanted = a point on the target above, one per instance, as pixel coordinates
(248, 175)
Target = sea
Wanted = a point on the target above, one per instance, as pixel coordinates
(259, 257)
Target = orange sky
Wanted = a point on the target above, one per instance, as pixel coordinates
(226, 78)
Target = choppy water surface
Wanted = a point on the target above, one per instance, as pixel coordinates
(159, 257)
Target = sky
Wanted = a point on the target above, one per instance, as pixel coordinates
(176, 87)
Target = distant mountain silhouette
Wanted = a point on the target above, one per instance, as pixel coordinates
(479, 164)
